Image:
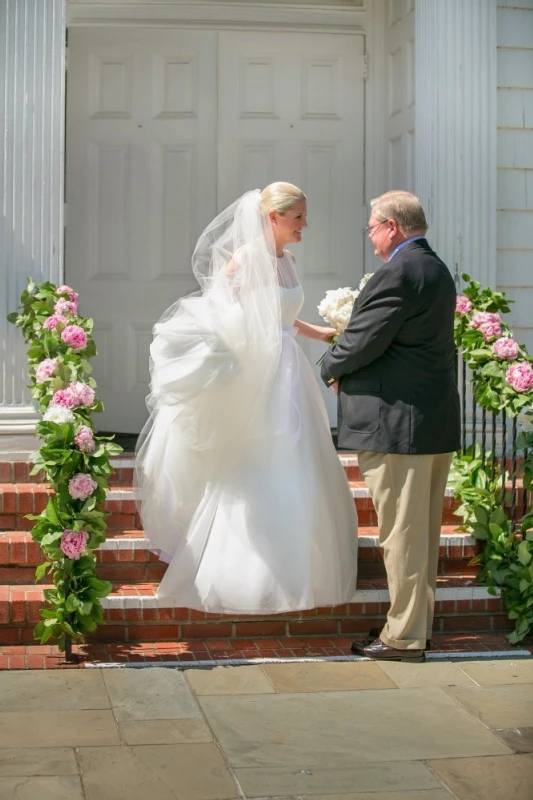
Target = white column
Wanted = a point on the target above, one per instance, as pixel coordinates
(32, 92)
(455, 129)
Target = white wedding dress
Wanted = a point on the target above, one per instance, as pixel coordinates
(264, 527)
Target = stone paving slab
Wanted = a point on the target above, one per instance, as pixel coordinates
(431, 794)
(327, 677)
(497, 706)
(359, 777)
(37, 761)
(60, 787)
(163, 772)
(417, 676)
(518, 739)
(60, 729)
(61, 691)
(492, 673)
(229, 680)
(165, 731)
(169, 695)
(497, 777)
(335, 728)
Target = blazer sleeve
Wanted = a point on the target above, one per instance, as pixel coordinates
(376, 318)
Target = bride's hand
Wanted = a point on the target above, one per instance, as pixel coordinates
(327, 334)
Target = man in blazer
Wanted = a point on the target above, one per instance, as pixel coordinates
(398, 406)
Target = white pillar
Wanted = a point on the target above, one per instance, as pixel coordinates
(455, 129)
(32, 105)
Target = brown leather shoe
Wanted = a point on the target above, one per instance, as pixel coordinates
(380, 651)
(373, 634)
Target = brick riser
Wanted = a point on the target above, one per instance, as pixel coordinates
(17, 500)
(20, 555)
(20, 611)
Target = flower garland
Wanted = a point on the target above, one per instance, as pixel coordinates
(75, 460)
(502, 377)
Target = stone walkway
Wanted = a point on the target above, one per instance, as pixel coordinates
(354, 730)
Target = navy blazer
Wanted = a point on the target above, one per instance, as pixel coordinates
(395, 362)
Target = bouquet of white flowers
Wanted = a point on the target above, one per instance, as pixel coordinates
(336, 307)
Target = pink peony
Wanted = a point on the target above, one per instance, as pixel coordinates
(483, 318)
(74, 336)
(82, 393)
(46, 369)
(54, 320)
(84, 439)
(520, 376)
(463, 305)
(81, 486)
(73, 296)
(488, 324)
(66, 307)
(65, 398)
(505, 348)
(73, 543)
(491, 330)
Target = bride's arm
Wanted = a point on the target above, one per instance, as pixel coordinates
(314, 331)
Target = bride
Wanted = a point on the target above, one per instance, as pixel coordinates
(241, 490)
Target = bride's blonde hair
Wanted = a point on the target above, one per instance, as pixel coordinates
(280, 197)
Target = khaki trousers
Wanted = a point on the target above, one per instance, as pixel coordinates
(407, 492)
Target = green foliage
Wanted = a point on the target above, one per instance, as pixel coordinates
(507, 558)
(75, 596)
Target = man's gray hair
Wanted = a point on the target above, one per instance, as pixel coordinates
(404, 208)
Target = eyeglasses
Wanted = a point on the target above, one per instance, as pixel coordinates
(370, 228)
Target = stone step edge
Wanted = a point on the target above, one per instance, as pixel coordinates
(125, 601)
(358, 491)
(452, 539)
(361, 596)
(357, 488)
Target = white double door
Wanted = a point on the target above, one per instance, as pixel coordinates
(167, 127)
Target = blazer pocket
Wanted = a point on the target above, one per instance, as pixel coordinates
(360, 403)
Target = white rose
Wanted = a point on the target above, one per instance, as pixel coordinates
(58, 414)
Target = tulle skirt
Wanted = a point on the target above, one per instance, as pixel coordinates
(263, 526)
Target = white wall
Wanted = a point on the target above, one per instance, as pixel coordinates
(515, 162)
(400, 118)
(31, 181)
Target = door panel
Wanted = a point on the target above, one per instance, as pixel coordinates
(291, 108)
(141, 184)
(167, 127)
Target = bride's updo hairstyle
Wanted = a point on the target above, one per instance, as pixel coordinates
(280, 197)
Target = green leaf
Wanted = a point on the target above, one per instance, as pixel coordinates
(479, 531)
(482, 515)
(40, 572)
(47, 634)
(524, 553)
(87, 622)
(101, 588)
(51, 513)
(50, 538)
(72, 603)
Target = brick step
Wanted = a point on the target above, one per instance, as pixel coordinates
(134, 613)
(19, 471)
(212, 652)
(17, 500)
(127, 558)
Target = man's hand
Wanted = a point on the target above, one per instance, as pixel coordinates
(335, 387)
